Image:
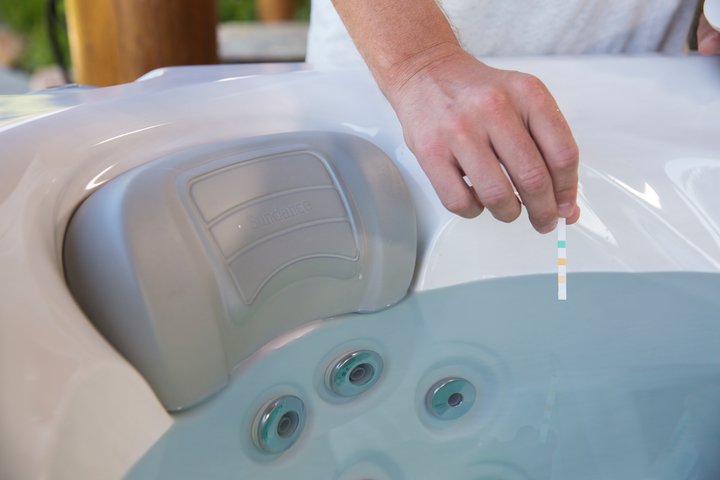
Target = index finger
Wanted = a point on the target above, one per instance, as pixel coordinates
(556, 143)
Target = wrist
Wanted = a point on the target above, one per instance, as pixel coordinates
(394, 77)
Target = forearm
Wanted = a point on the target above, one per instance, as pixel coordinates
(397, 38)
(465, 120)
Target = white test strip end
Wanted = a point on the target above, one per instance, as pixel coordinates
(562, 258)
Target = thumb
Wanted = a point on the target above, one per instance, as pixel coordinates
(708, 38)
(710, 44)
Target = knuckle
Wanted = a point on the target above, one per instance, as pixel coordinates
(461, 205)
(494, 101)
(534, 180)
(495, 197)
(531, 86)
(566, 158)
(566, 191)
(461, 127)
(507, 216)
(427, 146)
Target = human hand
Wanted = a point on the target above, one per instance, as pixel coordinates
(708, 38)
(461, 117)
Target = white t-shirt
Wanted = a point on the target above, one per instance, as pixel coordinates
(530, 27)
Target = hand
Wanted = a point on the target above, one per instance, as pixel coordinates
(708, 38)
(461, 117)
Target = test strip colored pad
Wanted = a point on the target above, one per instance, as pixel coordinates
(562, 259)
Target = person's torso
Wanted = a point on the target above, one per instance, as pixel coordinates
(531, 27)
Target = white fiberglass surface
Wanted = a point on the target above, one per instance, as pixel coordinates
(621, 381)
(647, 130)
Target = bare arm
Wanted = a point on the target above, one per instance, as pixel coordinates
(394, 36)
(461, 117)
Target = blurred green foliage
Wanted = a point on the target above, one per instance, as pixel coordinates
(244, 10)
(28, 18)
(241, 10)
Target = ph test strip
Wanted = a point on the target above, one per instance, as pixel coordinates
(562, 259)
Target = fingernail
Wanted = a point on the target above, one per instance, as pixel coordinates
(549, 227)
(566, 209)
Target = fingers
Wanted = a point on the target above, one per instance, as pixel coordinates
(468, 118)
(447, 179)
(491, 186)
(540, 157)
(528, 170)
(555, 142)
(574, 217)
(530, 137)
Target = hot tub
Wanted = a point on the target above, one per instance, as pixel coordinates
(464, 365)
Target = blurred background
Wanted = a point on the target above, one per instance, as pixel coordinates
(45, 43)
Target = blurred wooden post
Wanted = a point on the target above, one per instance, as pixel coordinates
(116, 41)
(275, 10)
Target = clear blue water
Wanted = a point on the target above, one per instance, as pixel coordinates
(621, 382)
